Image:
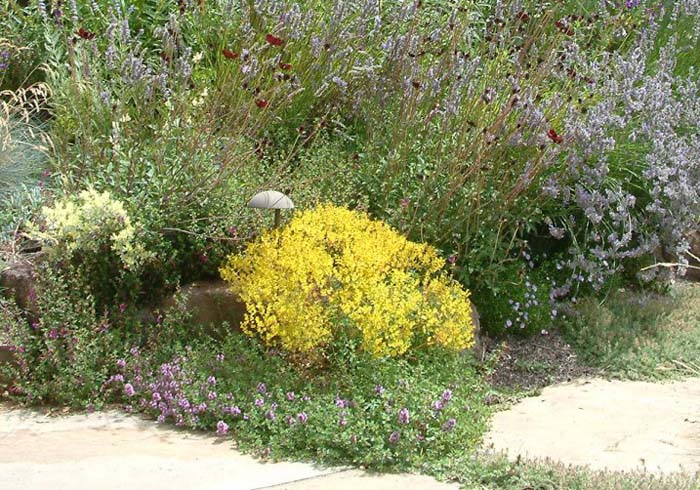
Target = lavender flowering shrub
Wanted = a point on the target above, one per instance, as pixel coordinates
(485, 128)
(629, 189)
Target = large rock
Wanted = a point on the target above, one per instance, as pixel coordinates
(18, 281)
(209, 302)
(18, 284)
(479, 348)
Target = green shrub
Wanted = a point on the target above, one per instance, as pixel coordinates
(93, 235)
(21, 46)
(520, 304)
(65, 355)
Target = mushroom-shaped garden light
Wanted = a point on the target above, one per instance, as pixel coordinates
(271, 200)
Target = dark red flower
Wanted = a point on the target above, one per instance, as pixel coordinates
(262, 103)
(85, 34)
(522, 16)
(230, 55)
(564, 28)
(555, 137)
(274, 40)
(285, 66)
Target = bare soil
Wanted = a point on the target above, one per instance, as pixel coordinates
(533, 363)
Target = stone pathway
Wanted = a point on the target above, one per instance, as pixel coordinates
(113, 451)
(602, 424)
(618, 425)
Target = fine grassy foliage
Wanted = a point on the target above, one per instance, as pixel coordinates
(640, 335)
(24, 145)
(487, 472)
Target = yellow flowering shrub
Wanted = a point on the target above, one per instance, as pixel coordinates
(333, 268)
(86, 222)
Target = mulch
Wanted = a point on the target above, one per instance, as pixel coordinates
(532, 363)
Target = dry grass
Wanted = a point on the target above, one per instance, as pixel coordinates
(488, 471)
(640, 335)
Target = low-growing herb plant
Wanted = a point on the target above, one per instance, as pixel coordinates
(63, 347)
(378, 412)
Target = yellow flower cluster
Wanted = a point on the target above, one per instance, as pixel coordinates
(333, 268)
(86, 222)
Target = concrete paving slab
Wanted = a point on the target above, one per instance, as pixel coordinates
(359, 480)
(110, 450)
(114, 451)
(616, 425)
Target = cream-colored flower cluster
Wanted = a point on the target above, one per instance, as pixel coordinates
(89, 221)
(333, 268)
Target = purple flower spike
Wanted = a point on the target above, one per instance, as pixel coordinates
(302, 417)
(121, 363)
(438, 405)
(404, 417)
(394, 437)
(449, 425)
(129, 390)
(262, 389)
(221, 428)
(447, 395)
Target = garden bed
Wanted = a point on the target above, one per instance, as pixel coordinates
(529, 160)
